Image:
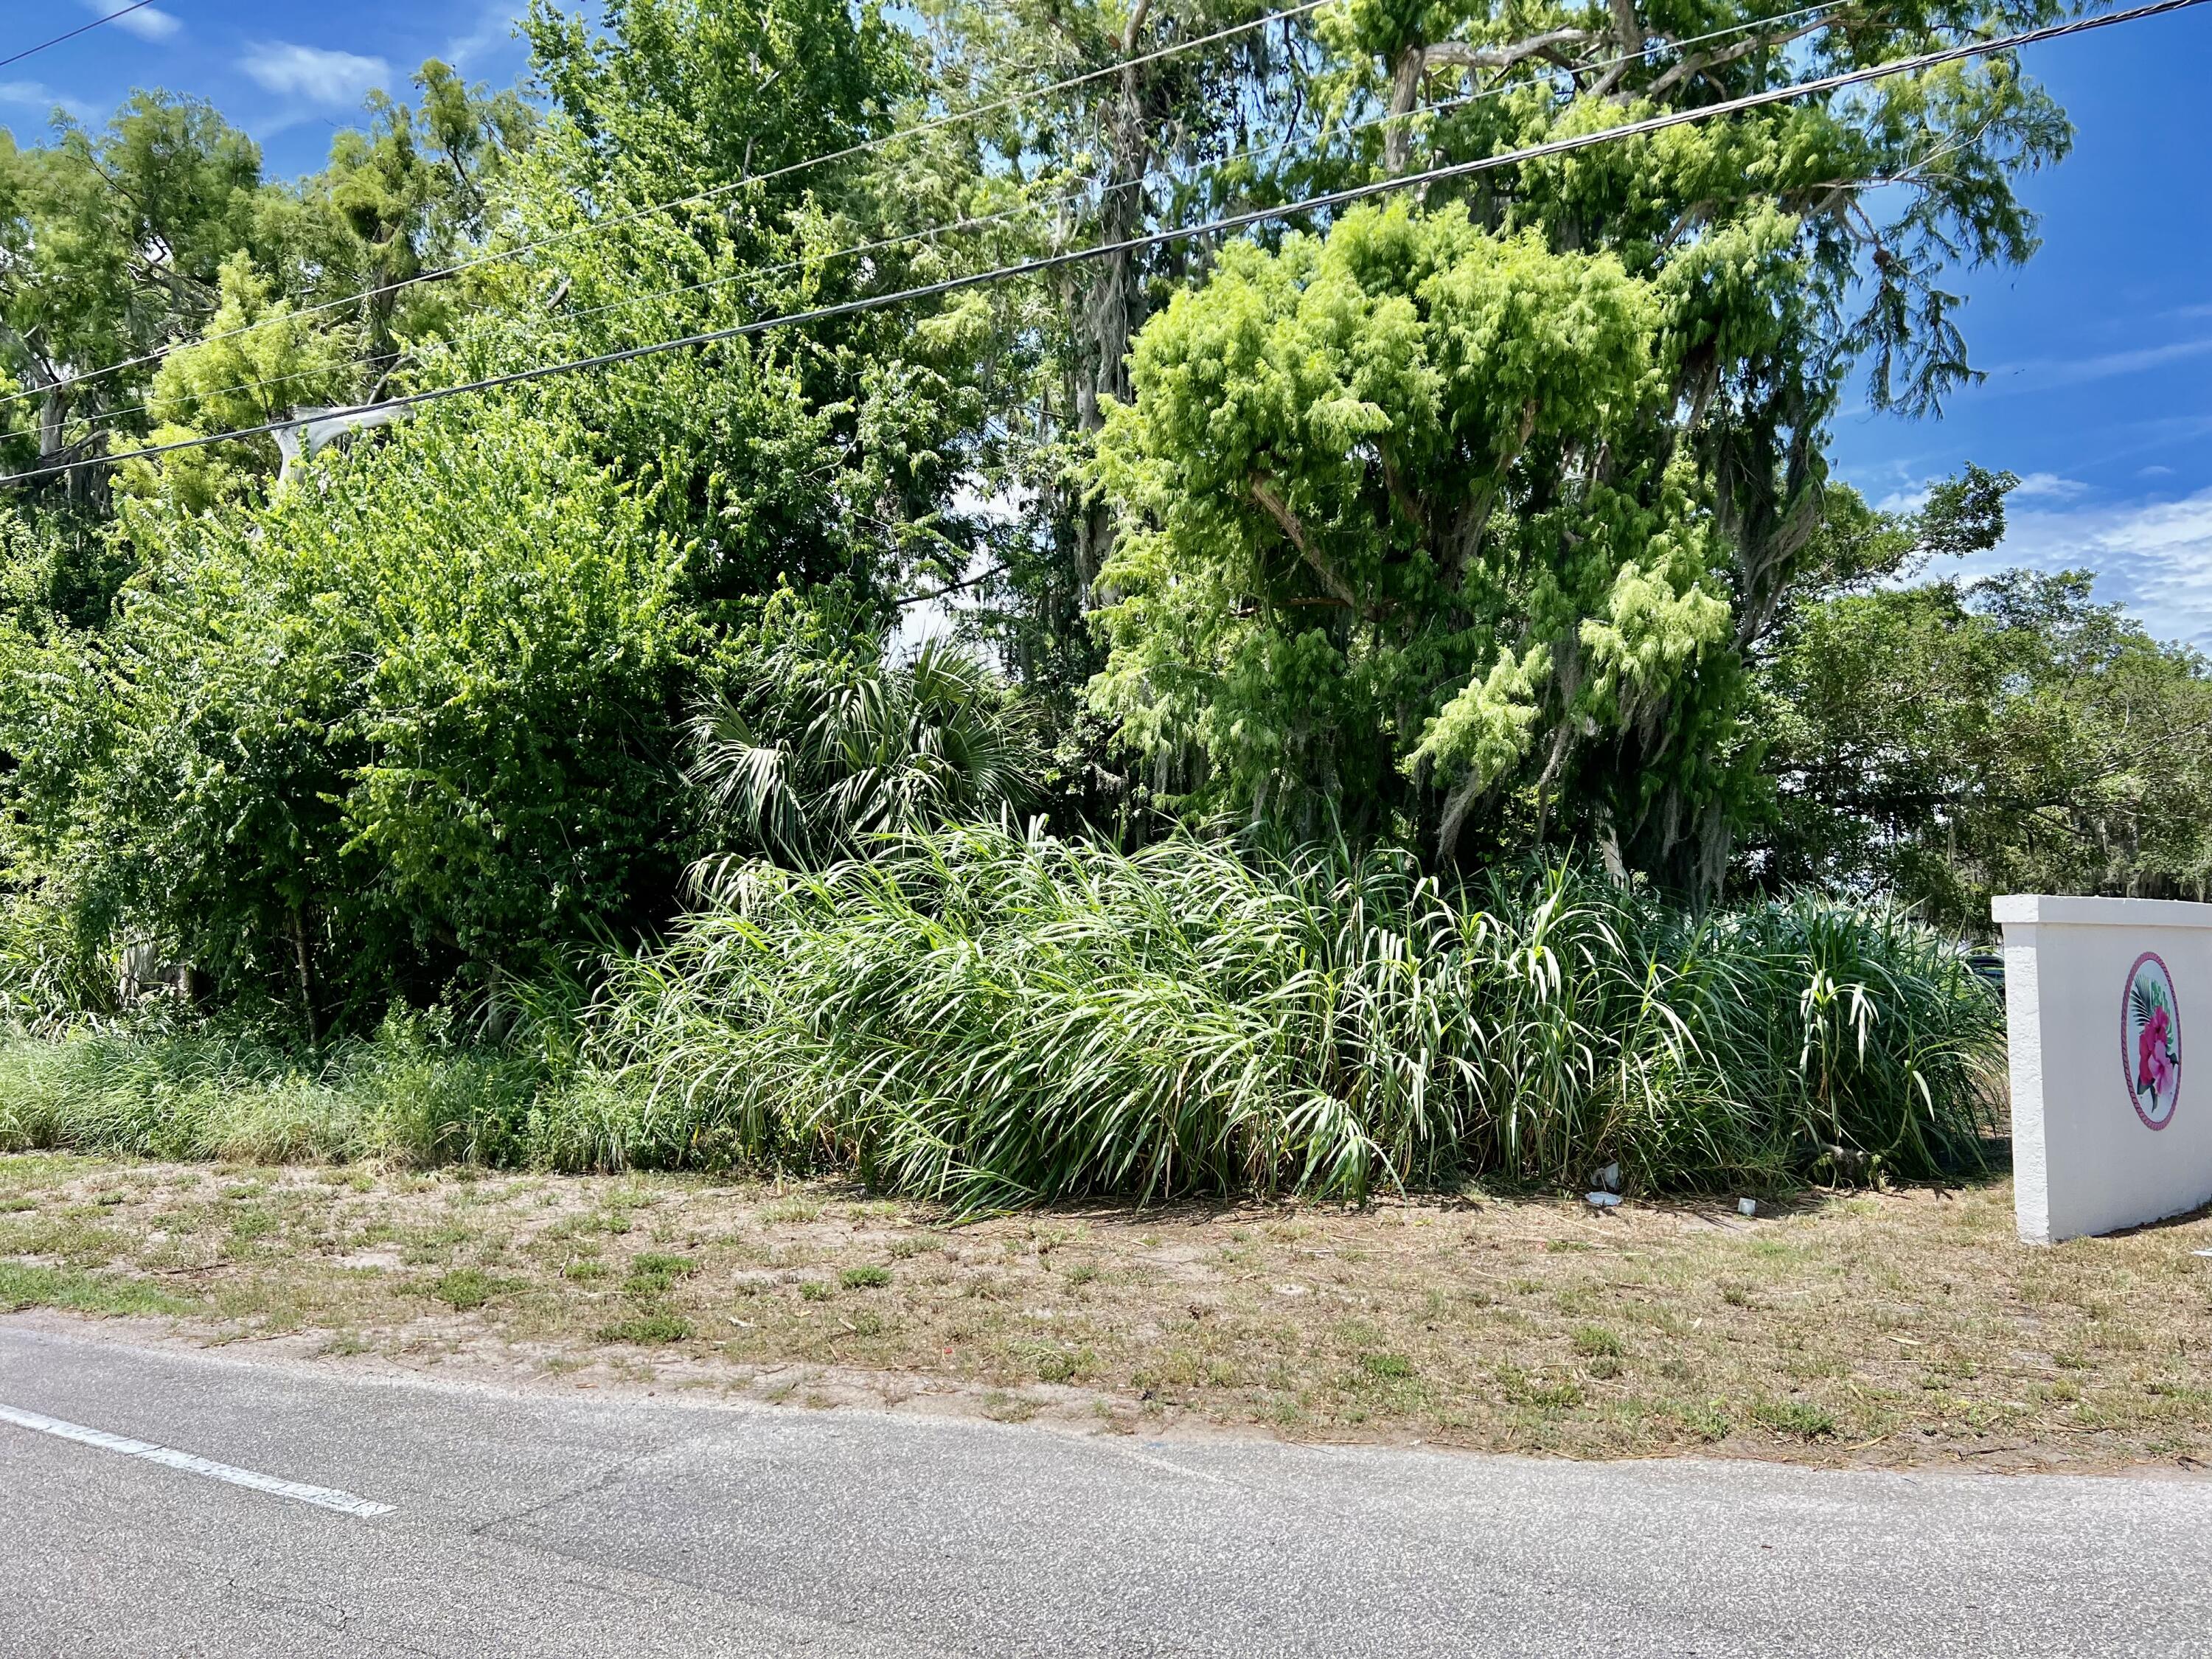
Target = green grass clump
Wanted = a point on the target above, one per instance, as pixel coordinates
(23, 1285)
(466, 1289)
(994, 1020)
(865, 1279)
(1000, 1020)
(652, 1272)
(656, 1328)
(1794, 1417)
(1596, 1342)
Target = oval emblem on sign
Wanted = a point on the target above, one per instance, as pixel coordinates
(2150, 1040)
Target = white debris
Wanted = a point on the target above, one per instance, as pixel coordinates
(1746, 1207)
(1604, 1200)
(1609, 1177)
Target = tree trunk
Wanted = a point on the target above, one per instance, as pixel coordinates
(303, 962)
(1105, 314)
(1405, 102)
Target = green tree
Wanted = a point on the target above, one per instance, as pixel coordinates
(1953, 740)
(414, 722)
(112, 245)
(1612, 711)
(1369, 527)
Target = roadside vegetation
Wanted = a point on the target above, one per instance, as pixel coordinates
(990, 1021)
(1406, 704)
(1899, 1327)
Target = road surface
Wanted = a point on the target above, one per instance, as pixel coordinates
(160, 1502)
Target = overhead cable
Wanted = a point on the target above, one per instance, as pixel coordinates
(106, 420)
(1330, 199)
(81, 28)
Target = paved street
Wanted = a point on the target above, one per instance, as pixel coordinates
(544, 1524)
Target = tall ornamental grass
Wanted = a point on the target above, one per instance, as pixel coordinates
(999, 1020)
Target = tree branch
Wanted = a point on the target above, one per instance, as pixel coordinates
(1264, 492)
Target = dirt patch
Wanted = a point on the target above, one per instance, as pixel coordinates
(1890, 1328)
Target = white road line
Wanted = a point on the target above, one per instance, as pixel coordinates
(327, 1497)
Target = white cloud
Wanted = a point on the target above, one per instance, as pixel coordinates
(2153, 557)
(147, 22)
(2047, 487)
(2048, 373)
(493, 30)
(37, 95)
(330, 79)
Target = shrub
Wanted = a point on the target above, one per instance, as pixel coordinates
(417, 719)
(1002, 1020)
(996, 1020)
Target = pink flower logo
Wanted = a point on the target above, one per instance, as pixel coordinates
(2150, 1040)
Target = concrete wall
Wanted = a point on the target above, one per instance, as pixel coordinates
(2112, 1115)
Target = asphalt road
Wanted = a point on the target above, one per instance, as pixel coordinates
(541, 1524)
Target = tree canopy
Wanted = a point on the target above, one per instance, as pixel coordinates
(1492, 517)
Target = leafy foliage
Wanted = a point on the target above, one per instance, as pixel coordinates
(820, 757)
(1954, 740)
(1392, 538)
(998, 1019)
(416, 718)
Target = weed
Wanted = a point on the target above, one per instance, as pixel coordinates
(22, 1285)
(1523, 1387)
(466, 1288)
(1388, 1367)
(865, 1279)
(813, 1290)
(1595, 1342)
(789, 1211)
(1794, 1417)
(656, 1328)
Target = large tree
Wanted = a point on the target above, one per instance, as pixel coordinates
(1604, 562)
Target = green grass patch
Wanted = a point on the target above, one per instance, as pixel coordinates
(865, 1279)
(23, 1285)
(466, 1289)
(1794, 1417)
(1596, 1342)
(657, 1329)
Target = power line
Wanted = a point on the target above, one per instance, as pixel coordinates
(935, 123)
(107, 419)
(1157, 239)
(81, 28)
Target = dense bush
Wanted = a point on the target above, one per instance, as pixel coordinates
(999, 1020)
(418, 719)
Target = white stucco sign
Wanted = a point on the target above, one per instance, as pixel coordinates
(2110, 1126)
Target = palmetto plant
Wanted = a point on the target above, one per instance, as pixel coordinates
(816, 756)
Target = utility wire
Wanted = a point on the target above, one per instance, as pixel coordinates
(935, 123)
(81, 28)
(1157, 239)
(106, 420)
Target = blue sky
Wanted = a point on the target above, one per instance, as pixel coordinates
(2099, 352)
(288, 73)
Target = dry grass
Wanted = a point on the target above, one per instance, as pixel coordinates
(1905, 1326)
